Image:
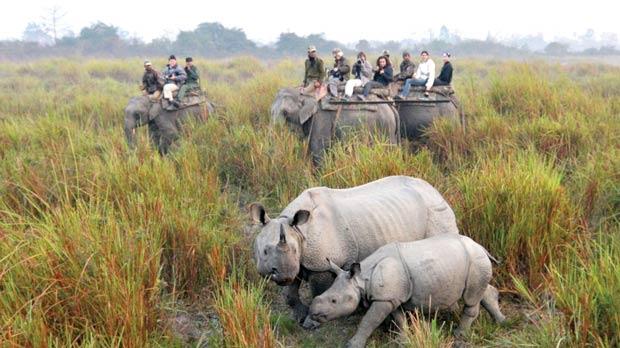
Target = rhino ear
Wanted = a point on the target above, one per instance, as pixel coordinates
(356, 269)
(300, 218)
(258, 213)
(309, 107)
(334, 267)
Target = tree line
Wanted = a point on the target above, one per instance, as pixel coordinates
(213, 40)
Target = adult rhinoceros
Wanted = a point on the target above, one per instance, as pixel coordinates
(164, 126)
(322, 121)
(344, 225)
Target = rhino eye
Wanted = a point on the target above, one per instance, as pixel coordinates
(333, 300)
(265, 251)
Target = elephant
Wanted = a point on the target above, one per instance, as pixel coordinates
(323, 123)
(415, 117)
(164, 126)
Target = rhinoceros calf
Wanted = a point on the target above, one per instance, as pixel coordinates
(431, 274)
(344, 225)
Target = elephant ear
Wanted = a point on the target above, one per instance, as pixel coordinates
(309, 106)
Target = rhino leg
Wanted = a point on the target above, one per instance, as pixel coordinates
(470, 313)
(490, 302)
(398, 316)
(320, 282)
(377, 313)
(300, 310)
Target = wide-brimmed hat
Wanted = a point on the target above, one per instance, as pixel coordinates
(311, 48)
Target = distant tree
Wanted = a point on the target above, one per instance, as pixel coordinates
(53, 22)
(213, 39)
(444, 34)
(556, 49)
(363, 45)
(36, 32)
(100, 38)
(291, 44)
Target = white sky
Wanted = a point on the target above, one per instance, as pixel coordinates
(264, 20)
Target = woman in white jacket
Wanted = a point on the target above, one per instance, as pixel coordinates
(363, 73)
(424, 76)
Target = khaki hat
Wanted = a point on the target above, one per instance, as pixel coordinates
(147, 63)
(311, 48)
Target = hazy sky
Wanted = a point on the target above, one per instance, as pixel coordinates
(264, 20)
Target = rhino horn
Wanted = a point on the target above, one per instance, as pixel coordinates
(282, 236)
(334, 267)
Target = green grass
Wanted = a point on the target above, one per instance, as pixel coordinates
(101, 246)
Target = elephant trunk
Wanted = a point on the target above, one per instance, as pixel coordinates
(130, 130)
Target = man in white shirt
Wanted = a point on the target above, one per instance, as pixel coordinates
(424, 76)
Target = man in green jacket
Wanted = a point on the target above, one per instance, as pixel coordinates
(314, 74)
(192, 81)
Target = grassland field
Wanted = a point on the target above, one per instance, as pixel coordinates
(101, 246)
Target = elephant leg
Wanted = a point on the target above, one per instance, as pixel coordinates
(300, 311)
(321, 133)
(168, 132)
(154, 134)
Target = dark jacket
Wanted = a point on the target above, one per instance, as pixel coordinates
(170, 71)
(315, 70)
(192, 75)
(407, 69)
(445, 76)
(343, 71)
(150, 81)
(386, 77)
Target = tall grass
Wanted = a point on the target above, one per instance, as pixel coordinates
(586, 284)
(518, 209)
(97, 242)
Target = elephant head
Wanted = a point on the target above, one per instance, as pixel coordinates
(136, 115)
(294, 109)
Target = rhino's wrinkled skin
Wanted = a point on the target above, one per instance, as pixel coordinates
(430, 274)
(346, 226)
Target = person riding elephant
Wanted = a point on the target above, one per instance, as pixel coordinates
(193, 78)
(314, 72)
(305, 116)
(382, 78)
(151, 81)
(339, 74)
(407, 68)
(174, 77)
(362, 71)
